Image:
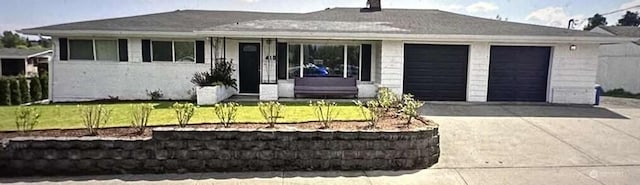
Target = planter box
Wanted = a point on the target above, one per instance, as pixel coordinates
(209, 95)
(268, 92)
(182, 150)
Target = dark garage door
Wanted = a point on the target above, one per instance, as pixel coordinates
(436, 72)
(518, 73)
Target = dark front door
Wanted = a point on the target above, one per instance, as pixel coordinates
(518, 73)
(436, 72)
(249, 67)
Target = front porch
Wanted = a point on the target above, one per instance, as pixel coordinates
(266, 68)
(256, 98)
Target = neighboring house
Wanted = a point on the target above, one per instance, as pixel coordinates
(619, 64)
(432, 54)
(29, 62)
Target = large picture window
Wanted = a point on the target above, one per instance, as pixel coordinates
(323, 60)
(93, 49)
(173, 51)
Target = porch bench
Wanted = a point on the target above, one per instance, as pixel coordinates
(325, 86)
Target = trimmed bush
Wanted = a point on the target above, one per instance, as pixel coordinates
(184, 112)
(271, 112)
(226, 112)
(94, 116)
(140, 116)
(26, 118)
(325, 112)
(24, 89)
(5, 92)
(44, 82)
(36, 89)
(16, 98)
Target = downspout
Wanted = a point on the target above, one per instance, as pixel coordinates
(211, 57)
(224, 45)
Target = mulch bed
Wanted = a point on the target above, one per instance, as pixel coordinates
(386, 123)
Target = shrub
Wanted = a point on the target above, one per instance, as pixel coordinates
(271, 112)
(387, 98)
(184, 112)
(222, 74)
(16, 98)
(24, 89)
(140, 116)
(155, 95)
(371, 111)
(44, 82)
(226, 112)
(26, 118)
(35, 89)
(621, 93)
(5, 92)
(94, 116)
(324, 111)
(410, 107)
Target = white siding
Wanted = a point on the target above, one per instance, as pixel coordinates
(619, 67)
(478, 72)
(573, 74)
(391, 65)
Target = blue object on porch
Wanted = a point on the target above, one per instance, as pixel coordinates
(599, 92)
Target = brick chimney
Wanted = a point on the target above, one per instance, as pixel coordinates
(372, 6)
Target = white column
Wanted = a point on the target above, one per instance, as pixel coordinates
(478, 72)
(392, 65)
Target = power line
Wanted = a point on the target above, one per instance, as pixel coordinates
(620, 10)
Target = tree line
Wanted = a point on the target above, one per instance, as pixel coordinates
(8, 39)
(628, 19)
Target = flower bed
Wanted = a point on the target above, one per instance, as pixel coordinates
(179, 150)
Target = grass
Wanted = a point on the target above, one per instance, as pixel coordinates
(67, 116)
(621, 93)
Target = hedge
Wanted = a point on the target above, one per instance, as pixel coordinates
(16, 99)
(5, 92)
(35, 89)
(24, 89)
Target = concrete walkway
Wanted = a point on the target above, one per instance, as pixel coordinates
(480, 144)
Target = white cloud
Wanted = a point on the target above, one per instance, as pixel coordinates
(248, 1)
(554, 16)
(481, 7)
(630, 4)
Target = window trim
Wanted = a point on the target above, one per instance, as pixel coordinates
(344, 63)
(173, 49)
(93, 43)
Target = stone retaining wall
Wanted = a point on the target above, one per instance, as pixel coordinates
(172, 150)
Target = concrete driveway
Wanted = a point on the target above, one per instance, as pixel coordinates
(480, 144)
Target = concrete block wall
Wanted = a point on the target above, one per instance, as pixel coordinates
(619, 67)
(176, 150)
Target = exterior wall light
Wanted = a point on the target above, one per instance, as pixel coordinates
(573, 47)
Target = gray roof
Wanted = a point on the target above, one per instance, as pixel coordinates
(407, 21)
(20, 53)
(625, 31)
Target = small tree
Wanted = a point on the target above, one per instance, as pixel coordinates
(94, 116)
(371, 111)
(140, 116)
(226, 112)
(271, 112)
(5, 92)
(325, 112)
(184, 112)
(44, 82)
(26, 118)
(24, 89)
(36, 89)
(387, 99)
(629, 19)
(410, 107)
(16, 98)
(595, 21)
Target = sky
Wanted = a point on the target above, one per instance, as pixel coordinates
(20, 14)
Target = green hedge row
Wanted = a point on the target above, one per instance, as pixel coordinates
(19, 90)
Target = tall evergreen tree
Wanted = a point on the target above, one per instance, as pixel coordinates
(5, 92)
(35, 89)
(16, 99)
(24, 89)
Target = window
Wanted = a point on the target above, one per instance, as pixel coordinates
(81, 49)
(90, 49)
(323, 60)
(106, 50)
(173, 51)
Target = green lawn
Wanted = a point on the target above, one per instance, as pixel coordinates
(65, 116)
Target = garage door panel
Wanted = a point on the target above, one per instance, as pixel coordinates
(518, 73)
(436, 72)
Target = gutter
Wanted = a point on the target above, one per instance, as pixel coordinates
(341, 36)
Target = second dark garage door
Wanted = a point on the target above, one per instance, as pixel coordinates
(436, 72)
(518, 73)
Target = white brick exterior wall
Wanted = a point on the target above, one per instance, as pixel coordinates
(391, 65)
(478, 72)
